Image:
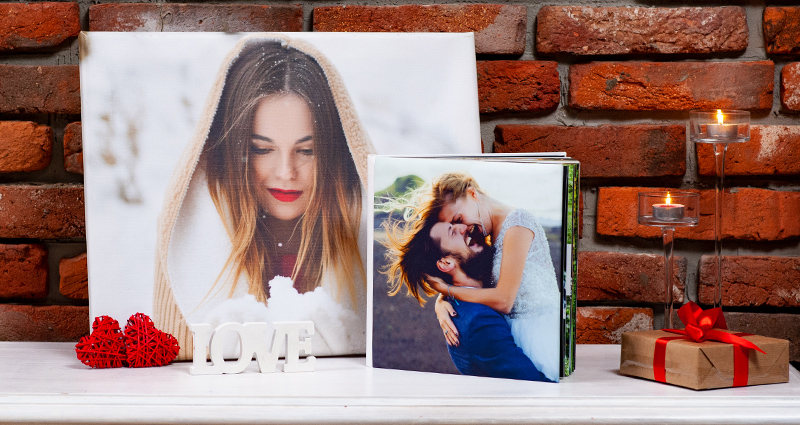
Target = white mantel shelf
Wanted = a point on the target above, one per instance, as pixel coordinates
(45, 383)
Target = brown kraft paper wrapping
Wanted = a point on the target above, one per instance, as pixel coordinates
(703, 365)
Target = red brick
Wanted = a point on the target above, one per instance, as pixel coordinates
(771, 150)
(583, 30)
(605, 325)
(73, 148)
(790, 86)
(671, 86)
(42, 212)
(604, 151)
(782, 30)
(73, 277)
(23, 271)
(24, 146)
(751, 280)
(635, 277)
(749, 214)
(195, 17)
(498, 28)
(518, 86)
(46, 323)
(783, 326)
(28, 27)
(31, 89)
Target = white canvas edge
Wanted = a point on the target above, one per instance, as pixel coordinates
(370, 252)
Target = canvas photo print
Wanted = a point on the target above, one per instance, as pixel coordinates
(226, 174)
(466, 267)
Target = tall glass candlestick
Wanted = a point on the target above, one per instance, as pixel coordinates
(719, 128)
(668, 210)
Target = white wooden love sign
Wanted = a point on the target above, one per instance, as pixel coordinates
(254, 341)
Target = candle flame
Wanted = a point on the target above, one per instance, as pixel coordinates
(719, 116)
(669, 200)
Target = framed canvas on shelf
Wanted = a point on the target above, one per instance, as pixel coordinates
(225, 174)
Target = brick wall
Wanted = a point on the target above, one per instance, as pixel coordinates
(610, 85)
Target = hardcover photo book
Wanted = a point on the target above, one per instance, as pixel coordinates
(225, 173)
(473, 264)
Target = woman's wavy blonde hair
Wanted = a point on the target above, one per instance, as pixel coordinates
(330, 224)
(411, 252)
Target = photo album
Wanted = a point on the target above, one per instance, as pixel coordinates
(473, 264)
(226, 173)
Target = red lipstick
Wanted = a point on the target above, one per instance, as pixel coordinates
(285, 195)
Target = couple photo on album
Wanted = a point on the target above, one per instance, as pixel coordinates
(480, 255)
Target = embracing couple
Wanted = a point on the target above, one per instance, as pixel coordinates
(490, 263)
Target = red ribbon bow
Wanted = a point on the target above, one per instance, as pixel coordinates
(702, 325)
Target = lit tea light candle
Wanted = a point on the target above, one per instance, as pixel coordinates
(722, 130)
(668, 210)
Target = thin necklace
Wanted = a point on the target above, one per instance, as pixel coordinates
(267, 228)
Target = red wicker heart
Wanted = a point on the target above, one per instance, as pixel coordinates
(146, 345)
(104, 347)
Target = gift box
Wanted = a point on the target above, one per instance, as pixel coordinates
(704, 365)
(704, 354)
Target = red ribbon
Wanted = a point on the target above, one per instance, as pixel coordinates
(700, 327)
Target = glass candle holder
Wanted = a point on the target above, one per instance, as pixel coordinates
(668, 210)
(719, 127)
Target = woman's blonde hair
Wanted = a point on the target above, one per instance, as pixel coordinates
(330, 224)
(411, 252)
